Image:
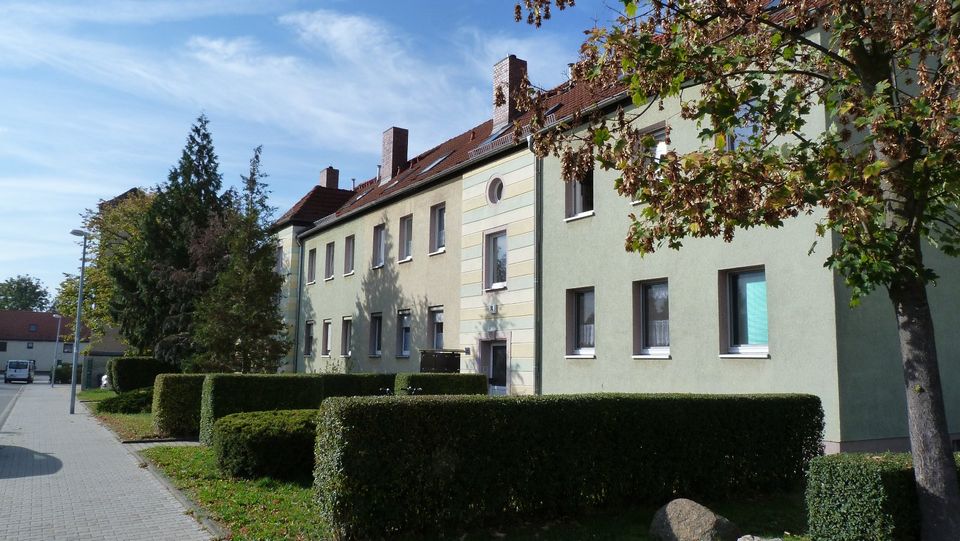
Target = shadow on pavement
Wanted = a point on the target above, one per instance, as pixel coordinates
(22, 462)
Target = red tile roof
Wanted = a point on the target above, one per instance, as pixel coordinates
(318, 202)
(15, 325)
(473, 144)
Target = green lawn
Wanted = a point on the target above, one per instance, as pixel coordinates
(129, 426)
(268, 509)
(95, 395)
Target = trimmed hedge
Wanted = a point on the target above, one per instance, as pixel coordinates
(420, 384)
(277, 443)
(433, 463)
(358, 384)
(137, 401)
(863, 497)
(61, 374)
(129, 373)
(176, 404)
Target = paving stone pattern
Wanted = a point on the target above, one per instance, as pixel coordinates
(65, 477)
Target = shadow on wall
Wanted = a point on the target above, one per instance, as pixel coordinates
(491, 323)
(16, 462)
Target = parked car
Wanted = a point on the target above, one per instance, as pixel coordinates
(18, 370)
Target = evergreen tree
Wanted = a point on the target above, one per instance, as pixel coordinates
(239, 326)
(158, 291)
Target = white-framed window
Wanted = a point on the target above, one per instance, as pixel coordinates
(436, 327)
(406, 238)
(308, 338)
(346, 336)
(403, 333)
(379, 245)
(32, 327)
(579, 196)
(376, 334)
(581, 327)
(279, 265)
(495, 260)
(327, 338)
(29, 345)
(328, 263)
(740, 135)
(651, 320)
(438, 227)
(348, 250)
(746, 311)
(3, 346)
(312, 265)
(67, 347)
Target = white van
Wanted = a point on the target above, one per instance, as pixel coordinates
(19, 371)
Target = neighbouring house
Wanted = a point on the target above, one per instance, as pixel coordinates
(478, 247)
(32, 336)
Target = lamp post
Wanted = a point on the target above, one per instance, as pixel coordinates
(76, 331)
(56, 345)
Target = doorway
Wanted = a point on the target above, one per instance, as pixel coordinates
(495, 360)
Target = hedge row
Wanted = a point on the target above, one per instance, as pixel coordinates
(176, 404)
(129, 373)
(62, 373)
(224, 394)
(277, 443)
(137, 401)
(429, 464)
(420, 384)
(863, 497)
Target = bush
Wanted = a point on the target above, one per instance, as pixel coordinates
(176, 404)
(358, 384)
(266, 443)
(427, 464)
(137, 401)
(418, 383)
(62, 373)
(129, 373)
(863, 497)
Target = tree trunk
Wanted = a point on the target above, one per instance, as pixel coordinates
(934, 468)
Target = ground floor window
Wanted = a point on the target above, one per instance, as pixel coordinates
(581, 325)
(651, 321)
(403, 333)
(746, 317)
(436, 327)
(376, 334)
(346, 337)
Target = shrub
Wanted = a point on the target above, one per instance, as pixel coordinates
(129, 373)
(430, 463)
(62, 373)
(418, 383)
(176, 404)
(137, 401)
(863, 497)
(358, 384)
(266, 443)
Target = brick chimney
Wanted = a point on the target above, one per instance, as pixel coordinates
(330, 178)
(394, 152)
(507, 75)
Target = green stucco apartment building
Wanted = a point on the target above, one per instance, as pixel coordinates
(478, 248)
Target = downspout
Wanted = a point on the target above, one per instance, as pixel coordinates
(296, 326)
(537, 272)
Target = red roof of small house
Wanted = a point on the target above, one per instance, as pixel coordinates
(25, 326)
(319, 202)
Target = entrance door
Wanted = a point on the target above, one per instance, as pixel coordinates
(497, 352)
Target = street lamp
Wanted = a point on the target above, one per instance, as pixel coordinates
(76, 331)
(56, 346)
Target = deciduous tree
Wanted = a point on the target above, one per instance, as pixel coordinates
(885, 174)
(23, 292)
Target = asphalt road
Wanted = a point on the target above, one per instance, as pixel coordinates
(8, 391)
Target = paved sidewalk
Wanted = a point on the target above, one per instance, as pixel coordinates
(66, 477)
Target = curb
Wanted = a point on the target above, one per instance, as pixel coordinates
(6, 411)
(199, 514)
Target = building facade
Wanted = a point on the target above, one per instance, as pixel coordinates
(531, 286)
(32, 336)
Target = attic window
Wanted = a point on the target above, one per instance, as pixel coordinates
(32, 327)
(436, 162)
(553, 109)
(496, 135)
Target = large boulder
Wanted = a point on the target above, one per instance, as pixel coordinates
(687, 520)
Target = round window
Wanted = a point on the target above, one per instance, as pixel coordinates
(495, 191)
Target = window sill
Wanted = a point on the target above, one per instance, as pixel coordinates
(375, 267)
(581, 356)
(328, 278)
(438, 251)
(348, 274)
(405, 260)
(324, 355)
(407, 356)
(496, 287)
(757, 355)
(311, 282)
(652, 356)
(374, 356)
(580, 216)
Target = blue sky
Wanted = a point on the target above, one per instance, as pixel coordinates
(97, 96)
